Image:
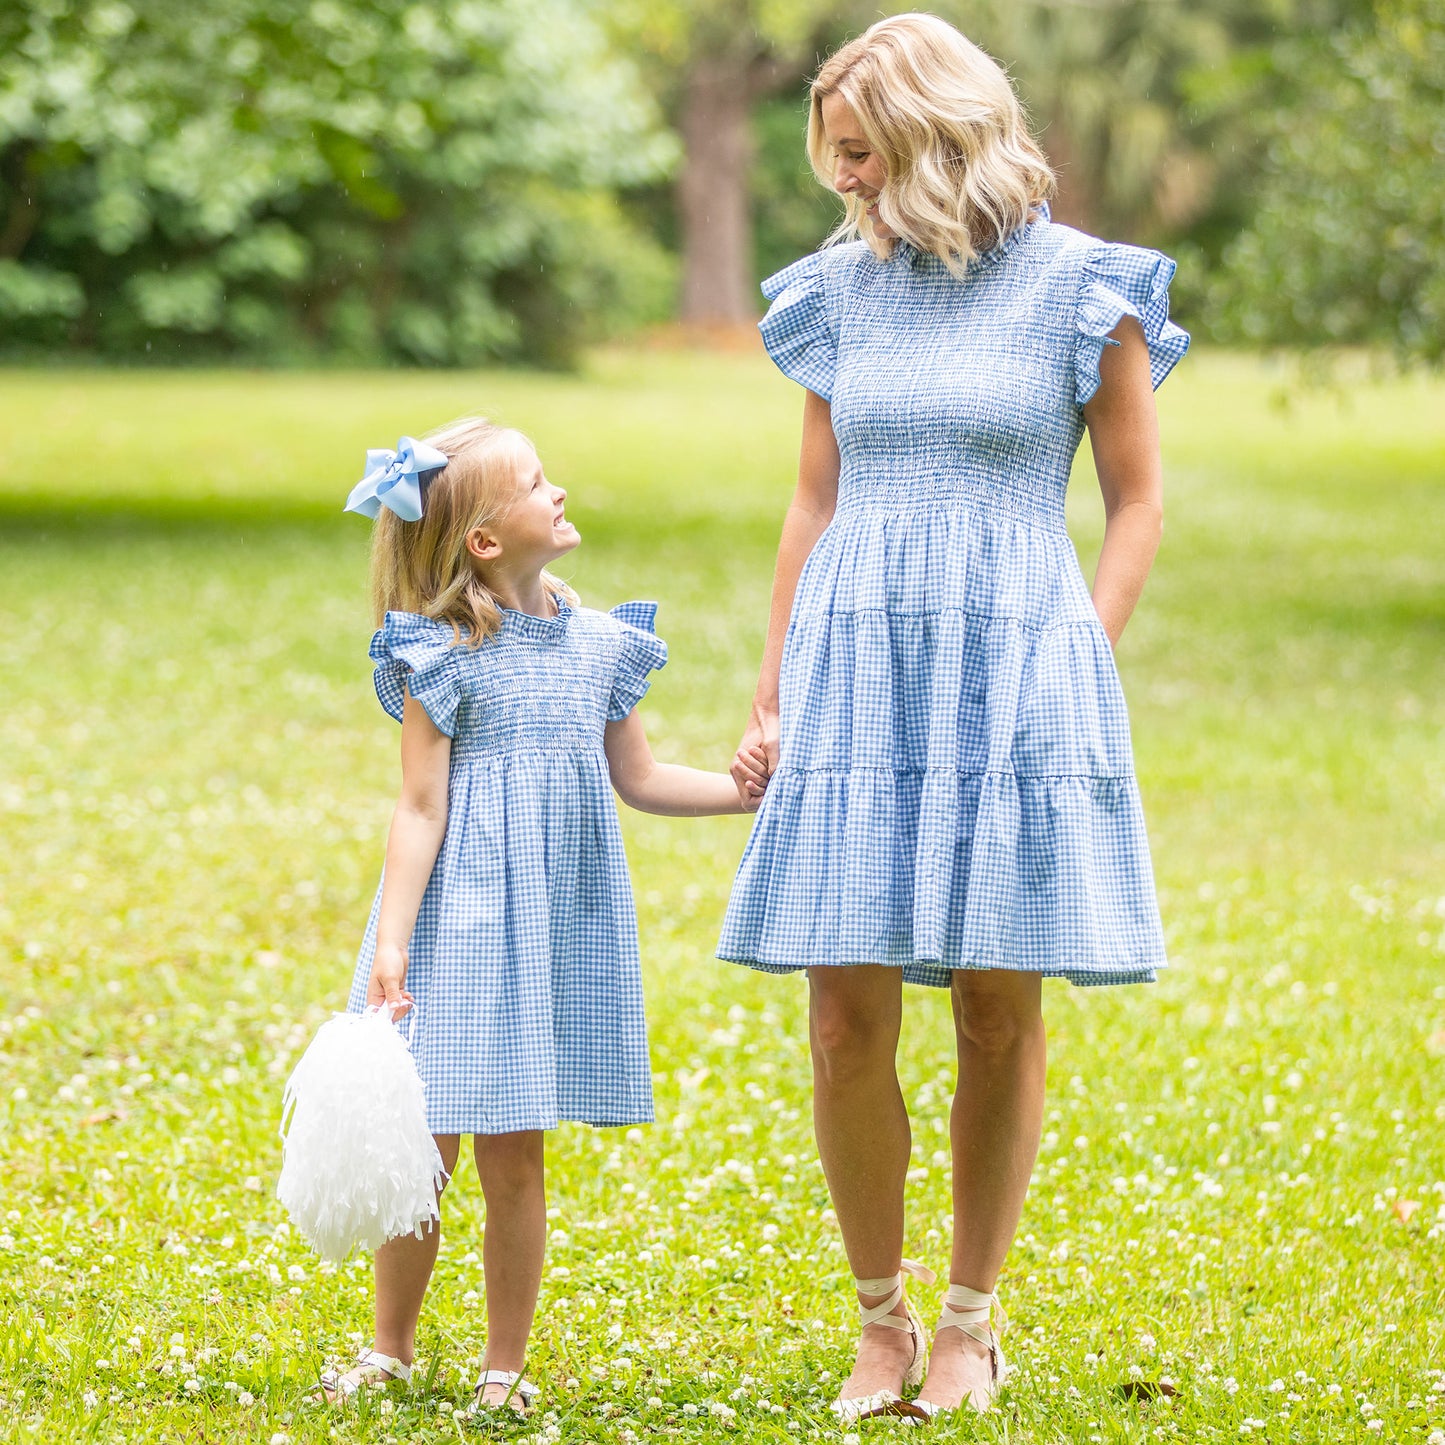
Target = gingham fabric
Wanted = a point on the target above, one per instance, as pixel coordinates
(524, 960)
(956, 787)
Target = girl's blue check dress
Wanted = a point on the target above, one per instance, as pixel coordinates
(956, 787)
(524, 961)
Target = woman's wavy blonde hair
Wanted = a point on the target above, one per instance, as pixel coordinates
(963, 172)
(425, 566)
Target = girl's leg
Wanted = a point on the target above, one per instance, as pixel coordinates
(863, 1140)
(998, 1113)
(402, 1268)
(513, 1180)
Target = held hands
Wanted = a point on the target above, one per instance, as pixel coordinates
(388, 974)
(749, 773)
(756, 757)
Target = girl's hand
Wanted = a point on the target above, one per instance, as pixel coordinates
(388, 974)
(760, 741)
(750, 776)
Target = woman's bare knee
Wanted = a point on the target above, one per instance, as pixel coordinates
(992, 1011)
(854, 1018)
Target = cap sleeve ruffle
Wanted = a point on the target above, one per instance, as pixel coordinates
(798, 331)
(642, 652)
(418, 655)
(1120, 281)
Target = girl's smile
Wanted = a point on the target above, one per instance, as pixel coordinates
(535, 529)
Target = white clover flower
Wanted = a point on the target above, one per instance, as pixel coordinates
(90, 1399)
(1374, 1424)
(245, 1398)
(1276, 1387)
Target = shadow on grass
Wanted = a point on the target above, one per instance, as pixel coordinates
(102, 518)
(30, 519)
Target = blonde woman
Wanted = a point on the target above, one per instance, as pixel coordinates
(952, 797)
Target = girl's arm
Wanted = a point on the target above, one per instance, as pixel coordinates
(812, 509)
(417, 828)
(676, 792)
(1124, 435)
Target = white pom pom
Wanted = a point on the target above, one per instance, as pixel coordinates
(359, 1165)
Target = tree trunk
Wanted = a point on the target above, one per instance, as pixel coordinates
(712, 194)
(1073, 205)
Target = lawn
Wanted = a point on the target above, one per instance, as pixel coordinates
(1241, 1193)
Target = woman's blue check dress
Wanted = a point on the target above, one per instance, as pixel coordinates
(955, 787)
(524, 961)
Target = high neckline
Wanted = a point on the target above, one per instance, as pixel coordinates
(913, 257)
(542, 629)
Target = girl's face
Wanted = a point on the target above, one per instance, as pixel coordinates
(856, 169)
(534, 529)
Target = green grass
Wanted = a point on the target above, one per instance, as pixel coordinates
(193, 795)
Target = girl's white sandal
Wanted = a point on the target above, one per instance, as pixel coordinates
(370, 1368)
(517, 1388)
(886, 1402)
(971, 1310)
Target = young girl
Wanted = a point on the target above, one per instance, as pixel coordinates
(505, 916)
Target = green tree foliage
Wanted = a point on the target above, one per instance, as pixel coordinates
(1344, 239)
(344, 178)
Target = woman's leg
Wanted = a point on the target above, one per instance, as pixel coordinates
(998, 1111)
(863, 1140)
(512, 1172)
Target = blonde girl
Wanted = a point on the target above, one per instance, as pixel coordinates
(505, 916)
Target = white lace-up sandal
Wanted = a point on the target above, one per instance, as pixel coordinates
(372, 1368)
(886, 1402)
(971, 1311)
(520, 1393)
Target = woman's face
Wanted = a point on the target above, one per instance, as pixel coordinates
(856, 169)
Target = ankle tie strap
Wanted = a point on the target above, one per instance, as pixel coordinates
(890, 1285)
(970, 1310)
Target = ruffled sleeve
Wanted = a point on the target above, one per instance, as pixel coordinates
(642, 652)
(1120, 281)
(798, 330)
(418, 655)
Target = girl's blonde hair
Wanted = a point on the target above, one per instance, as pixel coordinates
(962, 170)
(425, 566)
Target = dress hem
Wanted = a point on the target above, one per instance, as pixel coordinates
(935, 973)
(622, 1120)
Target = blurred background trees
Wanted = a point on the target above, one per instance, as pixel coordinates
(445, 184)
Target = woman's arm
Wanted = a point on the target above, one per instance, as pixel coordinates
(666, 788)
(417, 828)
(1124, 435)
(808, 516)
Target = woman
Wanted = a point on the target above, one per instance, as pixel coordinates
(952, 797)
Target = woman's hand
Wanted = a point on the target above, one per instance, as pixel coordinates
(388, 975)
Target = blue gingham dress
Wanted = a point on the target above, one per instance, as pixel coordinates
(956, 788)
(524, 961)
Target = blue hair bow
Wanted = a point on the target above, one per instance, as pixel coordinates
(393, 480)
